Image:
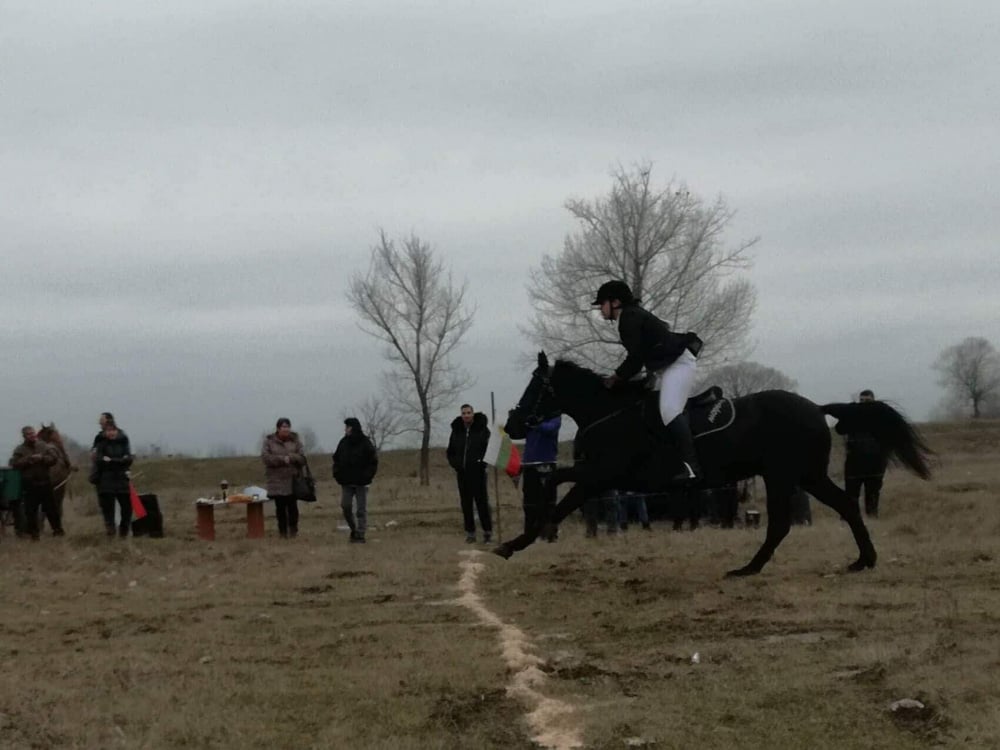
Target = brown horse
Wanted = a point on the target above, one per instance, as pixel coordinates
(62, 469)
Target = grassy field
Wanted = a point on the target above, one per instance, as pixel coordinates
(415, 640)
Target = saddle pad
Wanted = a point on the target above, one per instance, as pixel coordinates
(713, 417)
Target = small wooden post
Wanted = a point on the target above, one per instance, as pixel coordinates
(255, 520)
(496, 472)
(206, 521)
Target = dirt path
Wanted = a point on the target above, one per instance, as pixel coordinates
(552, 721)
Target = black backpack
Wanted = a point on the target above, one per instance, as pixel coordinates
(151, 524)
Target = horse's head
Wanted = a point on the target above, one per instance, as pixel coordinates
(537, 403)
(49, 434)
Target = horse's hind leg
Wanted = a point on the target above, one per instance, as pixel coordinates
(779, 521)
(830, 494)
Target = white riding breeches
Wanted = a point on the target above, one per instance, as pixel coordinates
(675, 383)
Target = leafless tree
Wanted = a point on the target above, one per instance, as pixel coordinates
(970, 372)
(409, 301)
(381, 420)
(668, 245)
(307, 436)
(743, 378)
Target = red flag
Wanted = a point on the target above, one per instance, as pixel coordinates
(137, 507)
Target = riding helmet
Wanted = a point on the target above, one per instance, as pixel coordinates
(616, 289)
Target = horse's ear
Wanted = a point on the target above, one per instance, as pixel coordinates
(543, 361)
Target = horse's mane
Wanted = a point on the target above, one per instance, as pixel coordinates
(631, 390)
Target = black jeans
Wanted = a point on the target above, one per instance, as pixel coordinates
(107, 502)
(472, 490)
(539, 495)
(40, 497)
(873, 488)
(286, 509)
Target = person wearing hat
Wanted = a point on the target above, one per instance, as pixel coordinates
(671, 358)
(354, 465)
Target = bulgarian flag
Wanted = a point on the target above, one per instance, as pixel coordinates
(502, 453)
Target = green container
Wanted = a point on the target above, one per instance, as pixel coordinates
(10, 485)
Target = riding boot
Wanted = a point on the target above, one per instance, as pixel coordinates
(679, 432)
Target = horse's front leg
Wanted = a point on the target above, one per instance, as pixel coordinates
(545, 525)
(590, 479)
(539, 500)
(571, 501)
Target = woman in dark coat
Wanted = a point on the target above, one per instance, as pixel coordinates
(112, 460)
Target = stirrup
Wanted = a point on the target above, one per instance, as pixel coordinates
(686, 476)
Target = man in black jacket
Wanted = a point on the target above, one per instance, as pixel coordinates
(671, 358)
(865, 464)
(354, 465)
(470, 434)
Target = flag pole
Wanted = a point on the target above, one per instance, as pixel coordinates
(496, 472)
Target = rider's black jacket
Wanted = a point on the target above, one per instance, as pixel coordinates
(650, 342)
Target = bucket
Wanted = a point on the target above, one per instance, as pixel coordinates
(751, 518)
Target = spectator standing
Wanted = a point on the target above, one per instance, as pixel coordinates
(632, 505)
(604, 506)
(283, 456)
(102, 421)
(34, 459)
(354, 465)
(541, 449)
(470, 433)
(865, 464)
(60, 472)
(112, 460)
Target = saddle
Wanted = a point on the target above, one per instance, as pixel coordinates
(708, 412)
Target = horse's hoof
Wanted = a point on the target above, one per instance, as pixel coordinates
(502, 551)
(859, 565)
(742, 572)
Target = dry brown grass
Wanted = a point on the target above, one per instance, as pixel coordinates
(315, 643)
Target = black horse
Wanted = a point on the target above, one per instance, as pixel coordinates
(778, 435)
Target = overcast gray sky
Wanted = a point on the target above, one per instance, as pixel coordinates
(186, 187)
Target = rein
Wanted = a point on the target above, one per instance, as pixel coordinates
(606, 417)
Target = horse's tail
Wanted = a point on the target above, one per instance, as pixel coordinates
(890, 428)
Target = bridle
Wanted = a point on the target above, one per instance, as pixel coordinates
(546, 389)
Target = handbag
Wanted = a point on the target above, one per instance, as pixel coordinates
(304, 485)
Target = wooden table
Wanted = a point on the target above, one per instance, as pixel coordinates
(205, 508)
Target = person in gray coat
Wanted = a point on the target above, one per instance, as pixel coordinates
(283, 456)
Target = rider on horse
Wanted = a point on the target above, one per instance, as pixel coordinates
(671, 358)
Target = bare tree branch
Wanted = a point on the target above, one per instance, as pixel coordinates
(407, 300)
(743, 378)
(382, 418)
(668, 245)
(970, 372)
